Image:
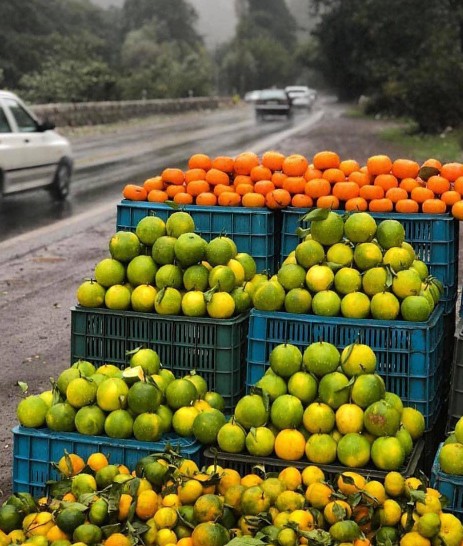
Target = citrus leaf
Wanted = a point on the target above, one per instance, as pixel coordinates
(426, 172)
(245, 541)
(131, 373)
(315, 214)
(133, 351)
(172, 204)
(23, 386)
(302, 232)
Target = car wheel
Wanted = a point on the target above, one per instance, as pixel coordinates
(62, 180)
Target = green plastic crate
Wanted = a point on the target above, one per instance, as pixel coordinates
(215, 348)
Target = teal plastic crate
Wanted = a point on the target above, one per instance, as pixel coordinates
(245, 464)
(449, 485)
(409, 354)
(252, 229)
(215, 348)
(434, 237)
(34, 451)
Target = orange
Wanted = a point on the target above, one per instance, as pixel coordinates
(244, 162)
(229, 199)
(438, 184)
(294, 165)
(134, 192)
(457, 210)
(379, 164)
(381, 205)
(157, 196)
(155, 183)
(420, 194)
(434, 206)
(199, 161)
(259, 172)
(264, 186)
(334, 175)
(405, 168)
(396, 194)
(290, 445)
(348, 166)
(356, 203)
(311, 173)
(408, 184)
(273, 160)
(452, 171)
(194, 174)
(328, 202)
(206, 199)
(172, 175)
(301, 200)
(407, 206)
(216, 176)
(326, 159)
(370, 191)
(360, 178)
(278, 199)
(197, 186)
(223, 163)
(183, 198)
(294, 184)
(345, 190)
(450, 197)
(386, 181)
(316, 187)
(173, 189)
(253, 200)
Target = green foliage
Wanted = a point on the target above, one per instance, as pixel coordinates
(262, 52)
(407, 56)
(70, 50)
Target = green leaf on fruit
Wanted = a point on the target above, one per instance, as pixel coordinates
(426, 172)
(315, 214)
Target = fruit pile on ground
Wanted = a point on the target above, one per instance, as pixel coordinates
(353, 267)
(167, 268)
(167, 500)
(142, 401)
(451, 453)
(277, 181)
(326, 407)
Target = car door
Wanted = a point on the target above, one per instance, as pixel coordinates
(24, 151)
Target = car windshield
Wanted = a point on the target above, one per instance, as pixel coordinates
(272, 94)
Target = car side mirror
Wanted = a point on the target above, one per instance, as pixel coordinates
(46, 125)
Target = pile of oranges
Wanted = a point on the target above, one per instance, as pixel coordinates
(277, 181)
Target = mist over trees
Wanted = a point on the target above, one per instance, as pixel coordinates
(406, 56)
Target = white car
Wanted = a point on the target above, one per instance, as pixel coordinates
(252, 96)
(32, 154)
(301, 95)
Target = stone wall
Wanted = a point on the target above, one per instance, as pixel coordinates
(93, 113)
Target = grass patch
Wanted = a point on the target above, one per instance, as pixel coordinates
(445, 147)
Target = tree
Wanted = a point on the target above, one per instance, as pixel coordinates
(405, 55)
(261, 53)
(175, 19)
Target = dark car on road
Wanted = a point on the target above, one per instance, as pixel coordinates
(273, 102)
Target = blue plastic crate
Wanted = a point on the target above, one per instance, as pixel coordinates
(252, 229)
(434, 237)
(215, 348)
(409, 354)
(34, 451)
(448, 485)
